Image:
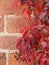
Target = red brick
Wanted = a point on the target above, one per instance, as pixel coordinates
(14, 25)
(6, 8)
(8, 42)
(2, 59)
(12, 60)
(1, 25)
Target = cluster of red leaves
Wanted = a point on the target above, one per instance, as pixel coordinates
(34, 45)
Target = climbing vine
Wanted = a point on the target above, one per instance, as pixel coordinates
(34, 45)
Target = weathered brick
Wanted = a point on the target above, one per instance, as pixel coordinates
(7, 8)
(15, 24)
(8, 42)
(1, 24)
(2, 59)
(12, 60)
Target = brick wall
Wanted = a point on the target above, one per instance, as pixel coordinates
(10, 23)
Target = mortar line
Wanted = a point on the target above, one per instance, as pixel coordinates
(7, 58)
(14, 16)
(9, 51)
(11, 34)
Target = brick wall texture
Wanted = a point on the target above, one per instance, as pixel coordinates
(10, 23)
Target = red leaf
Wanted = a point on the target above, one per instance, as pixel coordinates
(24, 14)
